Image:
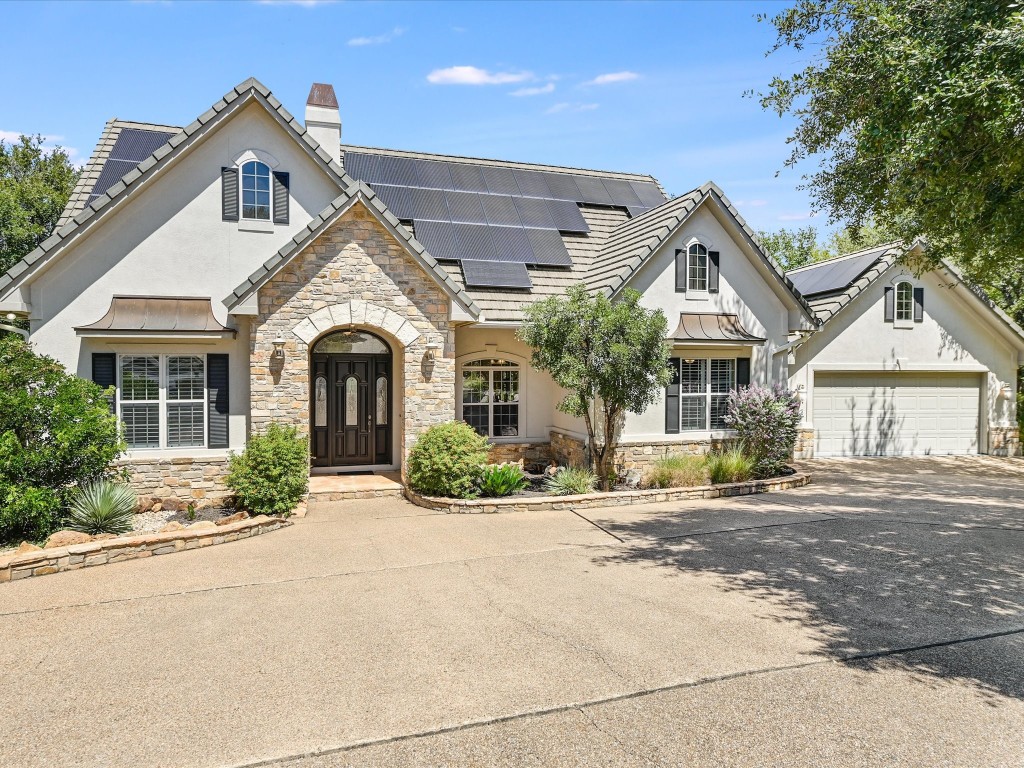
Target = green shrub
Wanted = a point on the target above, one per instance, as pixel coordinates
(502, 480)
(766, 422)
(271, 475)
(570, 481)
(56, 432)
(102, 507)
(447, 460)
(732, 466)
(677, 472)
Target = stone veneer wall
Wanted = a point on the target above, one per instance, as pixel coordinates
(804, 448)
(176, 483)
(567, 450)
(528, 453)
(1004, 441)
(357, 266)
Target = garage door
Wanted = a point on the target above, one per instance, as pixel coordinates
(896, 414)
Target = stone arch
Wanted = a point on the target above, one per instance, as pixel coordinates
(358, 313)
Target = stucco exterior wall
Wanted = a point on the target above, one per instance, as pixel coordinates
(358, 269)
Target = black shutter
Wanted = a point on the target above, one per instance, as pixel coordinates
(919, 305)
(889, 305)
(742, 372)
(712, 271)
(104, 372)
(680, 271)
(672, 399)
(281, 197)
(217, 400)
(229, 194)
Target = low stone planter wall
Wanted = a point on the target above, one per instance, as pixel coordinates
(175, 483)
(46, 561)
(610, 499)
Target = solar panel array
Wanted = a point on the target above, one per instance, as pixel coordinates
(834, 275)
(494, 220)
(132, 146)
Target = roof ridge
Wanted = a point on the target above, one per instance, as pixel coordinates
(145, 126)
(833, 259)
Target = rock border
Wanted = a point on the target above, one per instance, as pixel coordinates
(609, 499)
(46, 561)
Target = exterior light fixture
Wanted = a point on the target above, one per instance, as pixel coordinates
(689, 361)
(433, 347)
(278, 347)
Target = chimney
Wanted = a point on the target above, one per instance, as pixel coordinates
(323, 120)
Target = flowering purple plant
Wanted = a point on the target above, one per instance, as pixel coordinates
(766, 422)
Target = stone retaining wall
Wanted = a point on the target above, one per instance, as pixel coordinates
(528, 453)
(176, 483)
(568, 450)
(46, 561)
(1004, 441)
(610, 499)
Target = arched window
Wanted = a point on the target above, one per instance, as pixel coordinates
(696, 267)
(256, 190)
(491, 396)
(904, 301)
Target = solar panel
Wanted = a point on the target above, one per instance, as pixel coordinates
(465, 207)
(592, 190)
(496, 274)
(136, 144)
(432, 174)
(428, 204)
(512, 244)
(648, 193)
(499, 181)
(548, 248)
(636, 210)
(362, 166)
(112, 172)
(562, 187)
(467, 177)
(833, 275)
(531, 183)
(475, 242)
(438, 237)
(399, 171)
(566, 215)
(622, 192)
(500, 210)
(396, 199)
(534, 212)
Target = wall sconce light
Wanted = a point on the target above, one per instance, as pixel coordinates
(433, 347)
(278, 347)
(689, 361)
(1005, 390)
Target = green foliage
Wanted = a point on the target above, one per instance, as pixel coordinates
(911, 110)
(447, 460)
(609, 357)
(677, 472)
(34, 188)
(571, 481)
(102, 507)
(766, 422)
(732, 466)
(56, 432)
(271, 475)
(792, 248)
(502, 480)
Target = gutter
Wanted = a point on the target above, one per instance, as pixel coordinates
(14, 329)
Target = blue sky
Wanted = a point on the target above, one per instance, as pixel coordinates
(650, 87)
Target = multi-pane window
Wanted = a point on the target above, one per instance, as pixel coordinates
(696, 267)
(490, 397)
(704, 387)
(255, 190)
(904, 301)
(162, 400)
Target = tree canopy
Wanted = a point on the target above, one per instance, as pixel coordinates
(792, 248)
(35, 185)
(915, 111)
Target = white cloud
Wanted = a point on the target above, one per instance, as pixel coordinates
(378, 39)
(568, 106)
(796, 216)
(549, 88)
(475, 76)
(750, 203)
(49, 142)
(613, 77)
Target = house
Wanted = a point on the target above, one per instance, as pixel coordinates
(247, 268)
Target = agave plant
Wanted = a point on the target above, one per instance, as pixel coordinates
(102, 507)
(571, 481)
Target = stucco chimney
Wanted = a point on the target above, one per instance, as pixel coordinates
(323, 120)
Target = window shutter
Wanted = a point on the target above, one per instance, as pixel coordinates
(742, 372)
(680, 271)
(672, 399)
(281, 187)
(890, 312)
(217, 400)
(919, 305)
(712, 271)
(229, 194)
(104, 372)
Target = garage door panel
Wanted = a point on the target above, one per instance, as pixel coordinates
(882, 414)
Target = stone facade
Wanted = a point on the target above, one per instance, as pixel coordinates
(176, 483)
(1004, 441)
(528, 453)
(642, 455)
(804, 448)
(567, 450)
(355, 275)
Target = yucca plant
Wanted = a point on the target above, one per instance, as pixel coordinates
(570, 481)
(102, 507)
(502, 480)
(732, 466)
(677, 472)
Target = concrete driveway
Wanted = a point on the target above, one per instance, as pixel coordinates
(875, 617)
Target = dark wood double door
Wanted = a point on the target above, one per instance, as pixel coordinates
(350, 409)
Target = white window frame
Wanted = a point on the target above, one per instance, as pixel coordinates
(693, 267)
(906, 321)
(270, 192)
(519, 367)
(707, 393)
(163, 400)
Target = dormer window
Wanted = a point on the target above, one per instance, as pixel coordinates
(697, 270)
(256, 191)
(904, 304)
(904, 301)
(697, 267)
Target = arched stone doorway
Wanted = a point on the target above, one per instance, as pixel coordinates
(351, 402)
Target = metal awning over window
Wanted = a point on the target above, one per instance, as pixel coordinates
(712, 329)
(158, 316)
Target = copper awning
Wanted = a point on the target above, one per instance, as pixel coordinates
(712, 329)
(169, 316)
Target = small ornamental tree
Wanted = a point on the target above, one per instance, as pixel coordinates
(56, 432)
(766, 422)
(610, 357)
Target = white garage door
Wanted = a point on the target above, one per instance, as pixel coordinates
(896, 414)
